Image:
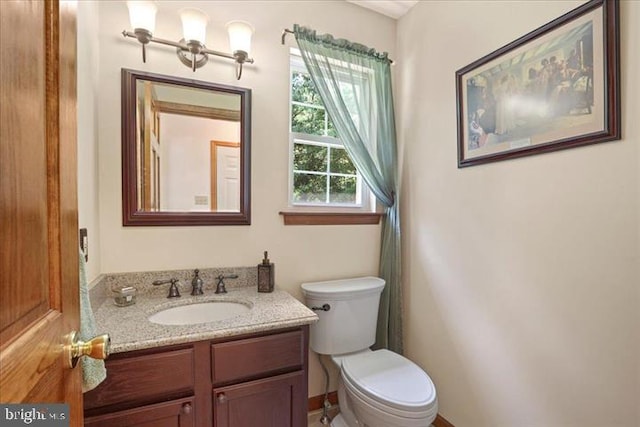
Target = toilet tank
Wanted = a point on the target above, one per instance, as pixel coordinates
(350, 323)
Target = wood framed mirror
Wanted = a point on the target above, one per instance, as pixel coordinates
(185, 151)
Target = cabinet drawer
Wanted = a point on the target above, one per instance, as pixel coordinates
(178, 413)
(144, 379)
(255, 357)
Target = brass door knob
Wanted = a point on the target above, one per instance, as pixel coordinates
(96, 348)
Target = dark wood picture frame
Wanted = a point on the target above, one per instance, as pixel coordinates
(554, 88)
(131, 214)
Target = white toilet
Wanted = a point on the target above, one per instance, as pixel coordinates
(377, 388)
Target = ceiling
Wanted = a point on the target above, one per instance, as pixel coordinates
(392, 8)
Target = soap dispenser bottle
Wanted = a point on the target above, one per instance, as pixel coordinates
(266, 277)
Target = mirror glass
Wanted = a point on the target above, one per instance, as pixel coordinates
(186, 147)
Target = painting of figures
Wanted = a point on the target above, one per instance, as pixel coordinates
(548, 90)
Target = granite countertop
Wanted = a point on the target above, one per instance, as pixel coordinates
(130, 329)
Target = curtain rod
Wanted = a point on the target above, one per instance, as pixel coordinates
(288, 31)
(284, 33)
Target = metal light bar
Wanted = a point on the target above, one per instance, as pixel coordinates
(199, 52)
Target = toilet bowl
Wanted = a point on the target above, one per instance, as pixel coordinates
(381, 388)
(376, 388)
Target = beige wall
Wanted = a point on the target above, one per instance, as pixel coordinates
(87, 80)
(522, 277)
(300, 253)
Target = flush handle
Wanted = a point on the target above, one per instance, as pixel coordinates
(325, 307)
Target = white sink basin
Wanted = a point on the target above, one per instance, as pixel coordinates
(203, 312)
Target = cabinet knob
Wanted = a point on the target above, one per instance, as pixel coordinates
(186, 408)
(222, 398)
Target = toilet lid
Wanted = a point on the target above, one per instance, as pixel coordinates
(390, 379)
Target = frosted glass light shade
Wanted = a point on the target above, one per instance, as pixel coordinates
(142, 14)
(194, 24)
(240, 33)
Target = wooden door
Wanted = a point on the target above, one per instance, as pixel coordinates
(38, 203)
(271, 402)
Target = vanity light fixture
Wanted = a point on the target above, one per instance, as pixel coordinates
(191, 49)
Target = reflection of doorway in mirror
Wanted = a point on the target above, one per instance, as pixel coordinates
(149, 151)
(139, 153)
(225, 176)
(156, 180)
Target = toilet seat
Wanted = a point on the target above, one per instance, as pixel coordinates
(390, 382)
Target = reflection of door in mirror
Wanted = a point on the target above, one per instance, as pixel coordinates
(225, 176)
(148, 149)
(175, 128)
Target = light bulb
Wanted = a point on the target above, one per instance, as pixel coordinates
(142, 14)
(194, 24)
(240, 33)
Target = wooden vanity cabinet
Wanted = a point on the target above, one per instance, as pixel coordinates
(242, 381)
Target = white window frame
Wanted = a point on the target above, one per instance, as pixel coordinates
(363, 194)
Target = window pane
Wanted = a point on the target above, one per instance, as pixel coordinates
(307, 157)
(342, 189)
(307, 120)
(349, 94)
(303, 89)
(308, 188)
(331, 129)
(340, 162)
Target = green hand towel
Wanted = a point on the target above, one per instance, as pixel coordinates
(93, 371)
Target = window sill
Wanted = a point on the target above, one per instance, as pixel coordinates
(330, 218)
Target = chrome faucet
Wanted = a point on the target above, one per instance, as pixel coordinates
(174, 292)
(196, 283)
(220, 287)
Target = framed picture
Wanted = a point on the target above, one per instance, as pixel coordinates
(557, 87)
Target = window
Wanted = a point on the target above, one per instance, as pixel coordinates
(321, 172)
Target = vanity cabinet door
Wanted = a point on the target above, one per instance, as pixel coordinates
(176, 413)
(271, 402)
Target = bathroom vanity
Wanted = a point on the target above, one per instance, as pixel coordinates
(238, 381)
(244, 371)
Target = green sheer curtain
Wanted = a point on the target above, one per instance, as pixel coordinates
(354, 83)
